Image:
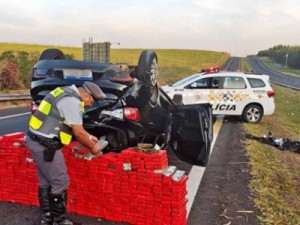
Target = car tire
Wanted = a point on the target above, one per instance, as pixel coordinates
(147, 69)
(252, 114)
(52, 53)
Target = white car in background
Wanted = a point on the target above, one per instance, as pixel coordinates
(230, 93)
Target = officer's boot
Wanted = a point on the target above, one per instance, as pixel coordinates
(44, 200)
(59, 208)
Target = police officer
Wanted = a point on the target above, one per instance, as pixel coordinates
(58, 118)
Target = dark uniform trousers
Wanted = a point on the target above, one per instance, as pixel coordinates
(50, 174)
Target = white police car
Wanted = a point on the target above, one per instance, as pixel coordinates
(230, 93)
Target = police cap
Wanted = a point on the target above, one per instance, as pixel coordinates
(94, 90)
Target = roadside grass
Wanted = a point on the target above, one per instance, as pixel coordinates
(244, 65)
(15, 91)
(275, 173)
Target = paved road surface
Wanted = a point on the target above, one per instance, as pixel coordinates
(276, 77)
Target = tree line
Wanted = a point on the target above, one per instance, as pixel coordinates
(16, 68)
(284, 55)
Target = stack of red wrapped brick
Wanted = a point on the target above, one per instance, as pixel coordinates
(131, 186)
(18, 176)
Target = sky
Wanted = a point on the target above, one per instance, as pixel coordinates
(239, 27)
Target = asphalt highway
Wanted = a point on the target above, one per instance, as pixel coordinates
(233, 64)
(275, 77)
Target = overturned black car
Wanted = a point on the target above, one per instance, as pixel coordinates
(135, 110)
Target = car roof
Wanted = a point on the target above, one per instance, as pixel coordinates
(238, 74)
(231, 73)
(222, 73)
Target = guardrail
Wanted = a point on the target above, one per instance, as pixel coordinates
(12, 97)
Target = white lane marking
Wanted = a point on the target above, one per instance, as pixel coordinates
(21, 114)
(196, 173)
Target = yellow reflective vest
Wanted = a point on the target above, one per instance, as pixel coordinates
(47, 119)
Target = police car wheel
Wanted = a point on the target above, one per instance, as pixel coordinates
(252, 114)
(52, 53)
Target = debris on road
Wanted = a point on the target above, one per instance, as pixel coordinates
(284, 144)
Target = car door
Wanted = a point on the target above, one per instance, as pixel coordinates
(191, 133)
(198, 91)
(230, 97)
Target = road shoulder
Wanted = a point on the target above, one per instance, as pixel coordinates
(224, 196)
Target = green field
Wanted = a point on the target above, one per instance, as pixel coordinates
(77, 52)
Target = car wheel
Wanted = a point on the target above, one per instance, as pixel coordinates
(147, 69)
(52, 53)
(252, 114)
